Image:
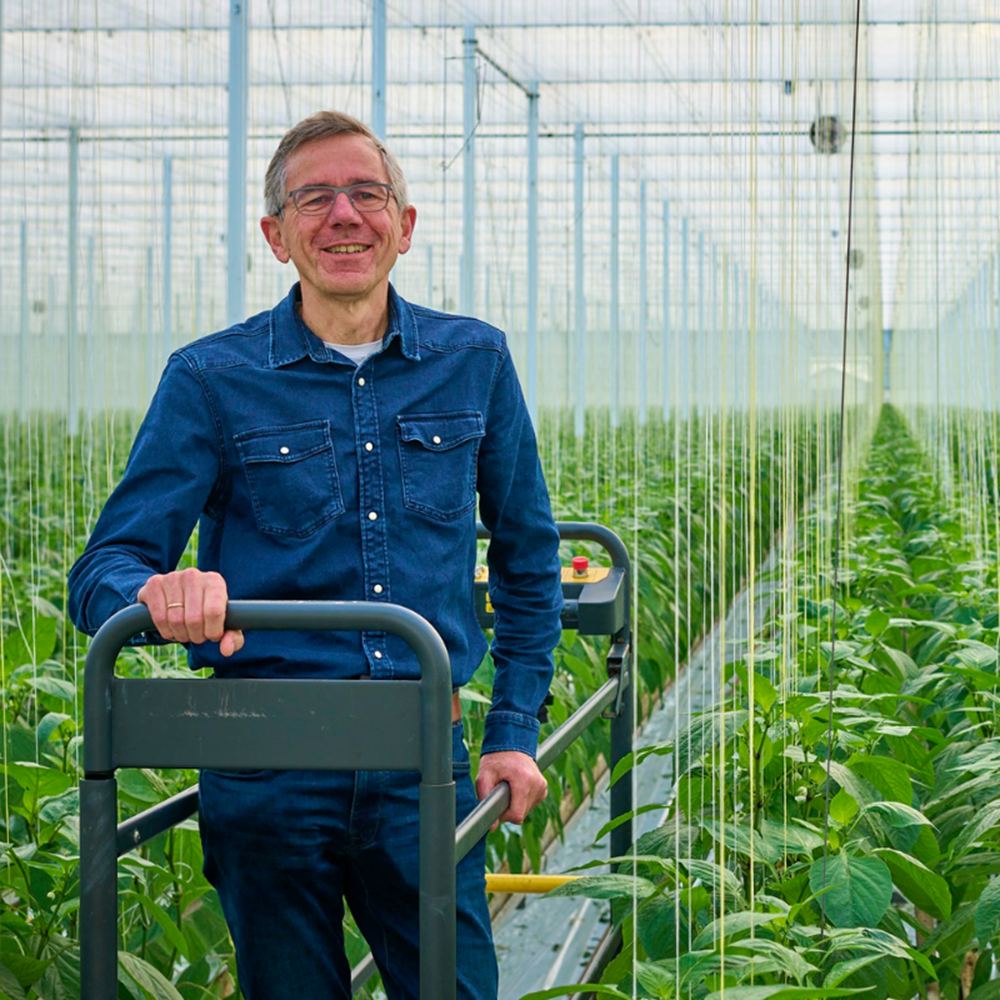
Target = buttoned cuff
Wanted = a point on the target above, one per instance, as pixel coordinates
(511, 731)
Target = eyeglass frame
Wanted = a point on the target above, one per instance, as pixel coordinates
(337, 191)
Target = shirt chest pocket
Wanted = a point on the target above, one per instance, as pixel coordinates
(292, 476)
(437, 460)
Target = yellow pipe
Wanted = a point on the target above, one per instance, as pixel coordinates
(525, 883)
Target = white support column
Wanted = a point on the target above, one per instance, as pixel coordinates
(236, 181)
(643, 305)
(430, 275)
(90, 347)
(685, 375)
(22, 339)
(168, 254)
(468, 289)
(72, 324)
(152, 369)
(665, 373)
(615, 327)
(579, 401)
(532, 324)
(378, 68)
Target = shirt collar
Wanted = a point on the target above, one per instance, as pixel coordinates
(292, 340)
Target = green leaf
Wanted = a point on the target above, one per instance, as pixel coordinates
(160, 915)
(889, 776)
(55, 686)
(921, 886)
(877, 622)
(49, 725)
(655, 979)
(842, 970)
(985, 819)
(606, 887)
(734, 923)
(27, 970)
(565, 991)
(843, 807)
(988, 913)
(701, 734)
(860, 889)
(41, 643)
(38, 781)
(745, 840)
(898, 815)
(987, 991)
(10, 985)
(780, 993)
(149, 979)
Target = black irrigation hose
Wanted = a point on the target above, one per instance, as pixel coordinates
(840, 479)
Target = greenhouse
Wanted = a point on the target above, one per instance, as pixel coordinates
(736, 266)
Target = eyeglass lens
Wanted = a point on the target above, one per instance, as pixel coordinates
(319, 200)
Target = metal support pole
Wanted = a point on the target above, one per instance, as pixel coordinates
(151, 367)
(468, 292)
(532, 325)
(90, 344)
(168, 236)
(581, 321)
(615, 326)
(199, 330)
(699, 390)
(643, 305)
(22, 339)
(99, 888)
(430, 275)
(685, 320)
(378, 68)
(236, 180)
(621, 791)
(665, 344)
(72, 324)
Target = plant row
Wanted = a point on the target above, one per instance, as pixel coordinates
(834, 826)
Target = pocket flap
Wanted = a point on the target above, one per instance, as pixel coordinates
(290, 443)
(441, 431)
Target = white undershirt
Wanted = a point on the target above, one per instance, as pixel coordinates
(357, 352)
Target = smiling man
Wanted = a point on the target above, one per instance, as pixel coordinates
(333, 448)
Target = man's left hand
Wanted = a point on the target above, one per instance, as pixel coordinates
(528, 786)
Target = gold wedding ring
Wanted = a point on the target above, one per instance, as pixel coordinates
(176, 604)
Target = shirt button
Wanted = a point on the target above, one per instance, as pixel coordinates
(372, 516)
(361, 381)
(377, 588)
(283, 449)
(368, 446)
(436, 439)
(378, 654)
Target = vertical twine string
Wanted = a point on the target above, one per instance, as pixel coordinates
(835, 557)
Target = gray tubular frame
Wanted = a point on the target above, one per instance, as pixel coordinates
(275, 723)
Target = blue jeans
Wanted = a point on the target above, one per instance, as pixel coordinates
(284, 849)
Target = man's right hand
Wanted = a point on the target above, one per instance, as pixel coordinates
(190, 606)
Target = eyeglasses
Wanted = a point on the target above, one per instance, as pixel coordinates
(371, 196)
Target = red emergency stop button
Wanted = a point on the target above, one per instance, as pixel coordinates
(580, 564)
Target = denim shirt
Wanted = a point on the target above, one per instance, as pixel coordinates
(315, 479)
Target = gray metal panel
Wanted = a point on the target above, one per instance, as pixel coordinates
(281, 724)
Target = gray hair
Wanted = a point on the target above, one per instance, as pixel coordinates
(323, 125)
